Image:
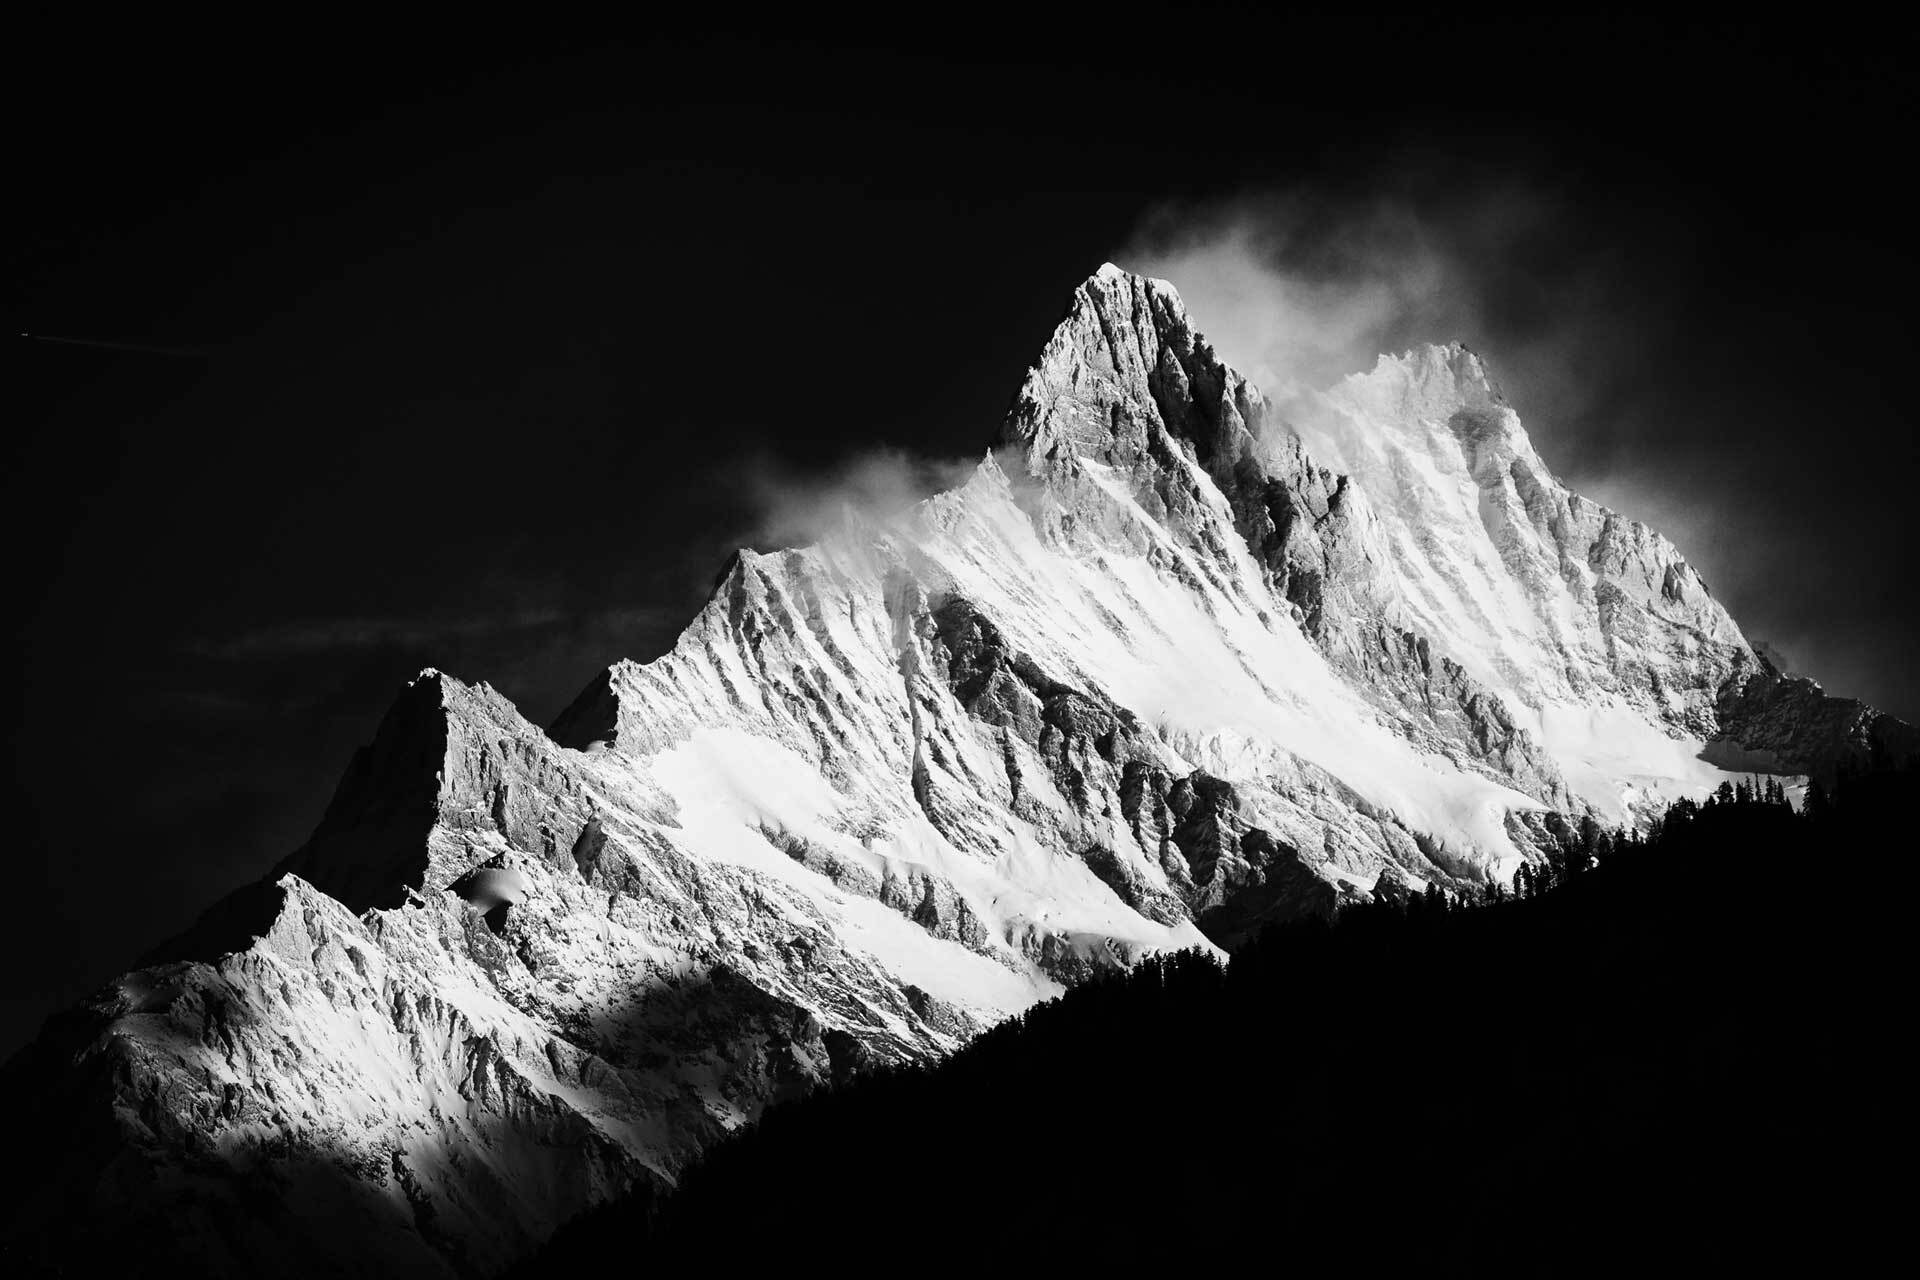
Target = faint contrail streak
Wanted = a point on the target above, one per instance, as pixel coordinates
(186, 352)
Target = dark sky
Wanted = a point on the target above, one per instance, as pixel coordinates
(499, 336)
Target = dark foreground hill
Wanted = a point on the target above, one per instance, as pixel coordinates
(1685, 1051)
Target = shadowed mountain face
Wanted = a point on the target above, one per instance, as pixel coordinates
(1165, 669)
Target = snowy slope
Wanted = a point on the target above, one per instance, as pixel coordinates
(1164, 668)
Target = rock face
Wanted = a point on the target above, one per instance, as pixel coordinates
(1165, 669)
(1770, 722)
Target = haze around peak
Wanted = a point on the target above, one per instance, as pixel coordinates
(1298, 289)
(1606, 329)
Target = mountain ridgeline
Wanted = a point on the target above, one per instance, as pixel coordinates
(1169, 669)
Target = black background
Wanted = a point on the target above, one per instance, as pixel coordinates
(490, 330)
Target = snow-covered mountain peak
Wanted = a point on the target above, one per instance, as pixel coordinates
(1163, 669)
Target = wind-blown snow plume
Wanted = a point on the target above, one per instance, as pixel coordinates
(1296, 307)
(794, 507)
(1302, 288)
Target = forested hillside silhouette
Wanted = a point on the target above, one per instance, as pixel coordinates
(1678, 1050)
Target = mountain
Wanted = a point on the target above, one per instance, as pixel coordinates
(1164, 669)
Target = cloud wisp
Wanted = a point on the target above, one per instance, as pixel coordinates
(1600, 330)
(793, 507)
(1299, 289)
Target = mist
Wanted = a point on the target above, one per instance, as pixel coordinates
(1605, 331)
(1300, 289)
(1297, 304)
(794, 507)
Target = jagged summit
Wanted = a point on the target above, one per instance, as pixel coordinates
(1119, 330)
(1165, 668)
